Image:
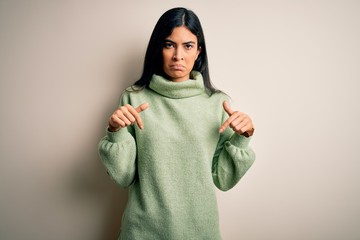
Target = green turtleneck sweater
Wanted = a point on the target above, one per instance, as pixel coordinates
(172, 164)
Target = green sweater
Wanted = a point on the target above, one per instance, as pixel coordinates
(171, 165)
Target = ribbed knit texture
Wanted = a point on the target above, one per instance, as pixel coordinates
(171, 165)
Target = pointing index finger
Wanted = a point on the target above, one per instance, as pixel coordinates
(229, 121)
(136, 114)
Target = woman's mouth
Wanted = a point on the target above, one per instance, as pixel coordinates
(177, 67)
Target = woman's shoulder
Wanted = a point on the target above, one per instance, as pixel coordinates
(132, 90)
(220, 96)
(133, 94)
(128, 93)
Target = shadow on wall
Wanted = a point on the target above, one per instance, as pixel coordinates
(96, 184)
(93, 182)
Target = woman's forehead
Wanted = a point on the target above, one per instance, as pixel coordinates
(182, 34)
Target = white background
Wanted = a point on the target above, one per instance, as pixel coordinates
(293, 66)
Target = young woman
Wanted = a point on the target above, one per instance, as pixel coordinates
(173, 137)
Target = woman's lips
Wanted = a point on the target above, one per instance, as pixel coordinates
(177, 67)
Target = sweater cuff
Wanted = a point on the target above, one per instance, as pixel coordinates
(118, 135)
(239, 140)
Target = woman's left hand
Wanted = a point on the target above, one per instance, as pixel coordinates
(240, 122)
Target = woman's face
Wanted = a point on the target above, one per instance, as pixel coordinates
(179, 54)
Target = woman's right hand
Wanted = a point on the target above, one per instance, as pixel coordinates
(125, 116)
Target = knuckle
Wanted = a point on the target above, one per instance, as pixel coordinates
(136, 119)
(135, 114)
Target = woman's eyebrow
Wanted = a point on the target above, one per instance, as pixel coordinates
(189, 42)
(168, 40)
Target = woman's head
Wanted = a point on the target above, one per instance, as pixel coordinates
(179, 53)
(154, 59)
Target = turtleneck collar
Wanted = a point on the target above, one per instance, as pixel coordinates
(185, 89)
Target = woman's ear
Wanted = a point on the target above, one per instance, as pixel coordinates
(198, 51)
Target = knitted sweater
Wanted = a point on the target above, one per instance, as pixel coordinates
(172, 164)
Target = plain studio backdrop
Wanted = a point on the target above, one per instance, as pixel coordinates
(293, 66)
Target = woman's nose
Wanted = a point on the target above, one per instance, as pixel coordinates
(178, 55)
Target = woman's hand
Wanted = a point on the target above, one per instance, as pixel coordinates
(238, 121)
(125, 116)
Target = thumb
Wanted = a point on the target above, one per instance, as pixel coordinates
(227, 108)
(142, 107)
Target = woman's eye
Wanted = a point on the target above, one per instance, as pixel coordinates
(188, 46)
(168, 45)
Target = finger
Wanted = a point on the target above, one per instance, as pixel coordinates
(123, 118)
(227, 108)
(120, 122)
(228, 121)
(137, 117)
(242, 127)
(142, 107)
(246, 128)
(115, 122)
(238, 120)
(127, 113)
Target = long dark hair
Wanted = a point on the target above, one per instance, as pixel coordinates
(153, 63)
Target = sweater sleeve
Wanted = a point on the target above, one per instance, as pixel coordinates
(117, 151)
(232, 158)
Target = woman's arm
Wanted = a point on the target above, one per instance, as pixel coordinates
(233, 156)
(117, 151)
(232, 159)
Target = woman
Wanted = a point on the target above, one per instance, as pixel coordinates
(173, 137)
